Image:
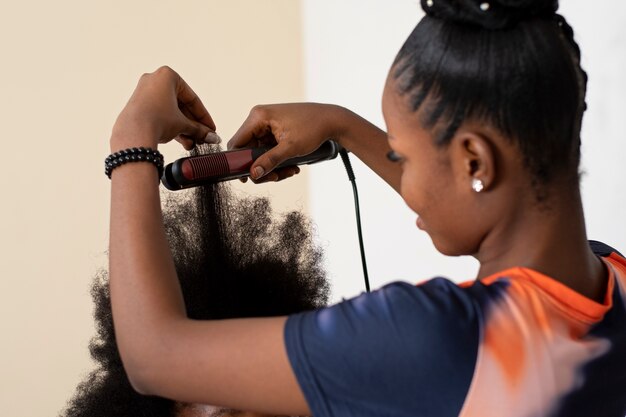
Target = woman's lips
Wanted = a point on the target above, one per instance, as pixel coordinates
(420, 223)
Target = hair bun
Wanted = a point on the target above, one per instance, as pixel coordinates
(490, 14)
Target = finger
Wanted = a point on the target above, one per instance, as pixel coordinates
(288, 172)
(197, 131)
(266, 139)
(211, 137)
(255, 126)
(271, 177)
(192, 102)
(270, 159)
(278, 175)
(187, 142)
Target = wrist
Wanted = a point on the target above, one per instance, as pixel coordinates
(343, 123)
(127, 140)
(132, 155)
(130, 132)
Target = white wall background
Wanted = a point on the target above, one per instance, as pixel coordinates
(349, 46)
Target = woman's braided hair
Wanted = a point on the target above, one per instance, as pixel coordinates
(511, 63)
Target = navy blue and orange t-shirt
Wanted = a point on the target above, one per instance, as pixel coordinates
(516, 344)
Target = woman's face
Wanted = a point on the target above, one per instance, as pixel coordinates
(431, 185)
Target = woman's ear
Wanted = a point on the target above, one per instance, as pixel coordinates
(473, 157)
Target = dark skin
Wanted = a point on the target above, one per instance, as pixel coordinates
(242, 363)
(509, 226)
(298, 129)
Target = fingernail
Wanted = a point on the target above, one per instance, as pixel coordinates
(258, 172)
(213, 138)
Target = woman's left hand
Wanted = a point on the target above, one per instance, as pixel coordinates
(163, 107)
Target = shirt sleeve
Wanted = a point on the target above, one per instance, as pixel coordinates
(403, 350)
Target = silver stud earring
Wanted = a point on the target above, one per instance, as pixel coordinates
(430, 3)
(484, 6)
(477, 185)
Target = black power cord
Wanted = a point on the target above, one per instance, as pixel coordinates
(351, 177)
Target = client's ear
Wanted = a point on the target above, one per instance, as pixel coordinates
(474, 160)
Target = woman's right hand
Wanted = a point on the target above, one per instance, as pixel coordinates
(296, 129)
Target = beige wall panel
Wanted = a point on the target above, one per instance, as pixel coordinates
(67, 69)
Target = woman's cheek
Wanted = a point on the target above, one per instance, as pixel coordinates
(408, 190)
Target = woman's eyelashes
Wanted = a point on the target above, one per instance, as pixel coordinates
(393, 156)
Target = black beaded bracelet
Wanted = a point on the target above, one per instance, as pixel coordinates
(133, 155)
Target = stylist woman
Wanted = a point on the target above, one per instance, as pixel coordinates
(483, 108)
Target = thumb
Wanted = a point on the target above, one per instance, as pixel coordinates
(199, 132)
(270, 160)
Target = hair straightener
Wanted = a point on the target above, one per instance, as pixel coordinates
(228, 165)
(193, 171)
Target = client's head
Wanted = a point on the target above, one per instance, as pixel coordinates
(233, 259)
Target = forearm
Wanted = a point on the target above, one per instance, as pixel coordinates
(369, 144)
(145, 293)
